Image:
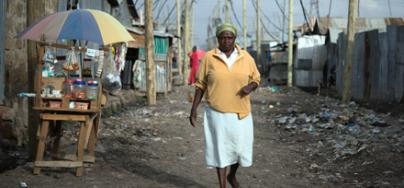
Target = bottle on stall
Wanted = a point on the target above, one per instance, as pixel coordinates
(79, 89)
(92, 89)
(68, 88)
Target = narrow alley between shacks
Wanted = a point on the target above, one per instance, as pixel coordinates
(301, 140)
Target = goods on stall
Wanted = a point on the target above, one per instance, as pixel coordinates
(111, 79)
(68, 88)
(79, 89)
(71, 63)
(92, 89)
(79, 100)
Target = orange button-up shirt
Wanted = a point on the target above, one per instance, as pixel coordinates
(222, 85)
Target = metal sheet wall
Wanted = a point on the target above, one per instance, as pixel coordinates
(378, 65)
(91, 4)
(311, 56)
(3, 7)
(140, 76)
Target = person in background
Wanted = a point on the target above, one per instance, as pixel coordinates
(226, 76)
(194, 59)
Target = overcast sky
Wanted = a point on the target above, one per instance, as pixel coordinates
(339, 8)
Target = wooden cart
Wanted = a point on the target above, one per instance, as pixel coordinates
(57, 109)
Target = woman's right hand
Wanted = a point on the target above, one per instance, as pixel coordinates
(192, 118)
(195, 103)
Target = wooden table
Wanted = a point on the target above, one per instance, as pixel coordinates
(86, 139)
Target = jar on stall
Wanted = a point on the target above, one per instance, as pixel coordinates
(79, 89)
(68, 88)
(92, 89)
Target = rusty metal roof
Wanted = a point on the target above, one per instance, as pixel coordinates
(324, 24)
(334, 25)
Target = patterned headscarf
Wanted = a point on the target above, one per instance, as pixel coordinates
(226, 27)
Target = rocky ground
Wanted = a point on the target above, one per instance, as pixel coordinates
(301, 140)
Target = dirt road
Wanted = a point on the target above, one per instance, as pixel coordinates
(301, 140)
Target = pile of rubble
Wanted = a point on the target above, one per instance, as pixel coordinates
(347, 128)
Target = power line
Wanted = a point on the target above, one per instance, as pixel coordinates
(160, 10)
(304, 12)
(389, 3)
(169, 14)
(329, 8)
(269, 20)
(359, 4)
(234, 14)
(280, 8)
(263, 24)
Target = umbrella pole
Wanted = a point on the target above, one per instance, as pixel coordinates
(81, 60)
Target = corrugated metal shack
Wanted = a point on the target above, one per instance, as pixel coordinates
(132, 55)
(378, 69)
(310, 59)
(162, 60)
(378, 66)
(278, 70)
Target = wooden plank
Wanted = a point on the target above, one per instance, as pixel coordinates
(93, 136)
(45, 109)
(392, 46)
(340, 63)
(375, 58)
(41, 144)
(80, 145)
(383, 91)
(370, 62)
(399, 61)
(63, 164)
(38, 80)
(357, 82)
(64, 46)
(89, 130)
(64, 117)
(89, 159)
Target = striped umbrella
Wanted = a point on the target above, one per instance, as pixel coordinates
(82, 24)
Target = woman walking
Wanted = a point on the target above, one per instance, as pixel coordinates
(226, 77)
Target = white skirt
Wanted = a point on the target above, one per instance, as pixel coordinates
(228, 140)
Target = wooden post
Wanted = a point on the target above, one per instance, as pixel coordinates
(245, 24)
(346, 92)
(258, 37)
(150, 67)
(290, 45)
(187, 42)
(191, 24)
(179, 40)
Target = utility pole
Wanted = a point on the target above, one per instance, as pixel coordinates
(258, 37)
(179, 40)
(219, 4)
(187, 46)
(346, 93)
(150, 67)
(283, 21)
(227, 11)
(191, 24)
(290, 45)
(245, 24)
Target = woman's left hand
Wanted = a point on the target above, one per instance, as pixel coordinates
(246, 90)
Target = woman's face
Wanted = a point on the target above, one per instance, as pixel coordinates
(226, 41)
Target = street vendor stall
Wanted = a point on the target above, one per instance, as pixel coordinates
(70, 76)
